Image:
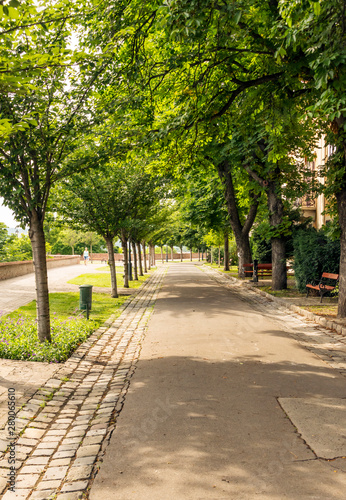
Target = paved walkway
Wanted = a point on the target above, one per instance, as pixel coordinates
(205, 415)
(216, 408)
(64, 425)
(16, 292)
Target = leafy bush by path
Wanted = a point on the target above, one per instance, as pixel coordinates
(18, 339)
(314, 253)
(18, 330)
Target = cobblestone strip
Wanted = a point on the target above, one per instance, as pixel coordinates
(65, 427)
(327, 344)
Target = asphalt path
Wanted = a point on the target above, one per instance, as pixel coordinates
(202, 419)
(19, 291)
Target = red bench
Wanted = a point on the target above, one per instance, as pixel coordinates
(262, 269)
(327, 284)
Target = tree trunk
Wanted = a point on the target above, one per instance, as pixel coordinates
(199, 255)
(219, 261)
(172, 252)
(72, 250)
(37, 238)
(276, 212)
(341, 201)
(139, 253)
(149, 257)
(241, 232)
(111, 261)
(144, 257)
(181, 254)
(162, 253)
(190, 254)
(126, 269)
(211, 255)
(226, 253)
(153, 256)
(134, 251)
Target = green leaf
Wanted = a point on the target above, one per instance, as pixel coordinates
(13, 13)
(317, 8)
(237, 17)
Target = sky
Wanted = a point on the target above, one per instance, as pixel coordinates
(6, 216)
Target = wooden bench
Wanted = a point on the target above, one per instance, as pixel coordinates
(327, 284)
(262, 269)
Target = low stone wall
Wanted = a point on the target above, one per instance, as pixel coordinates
(119, 257)
(13, 269)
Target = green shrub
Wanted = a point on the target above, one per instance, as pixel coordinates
(19, 340)
(314, 253)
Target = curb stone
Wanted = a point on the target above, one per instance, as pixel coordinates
(64, 428)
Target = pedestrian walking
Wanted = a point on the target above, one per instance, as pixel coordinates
(86, 256)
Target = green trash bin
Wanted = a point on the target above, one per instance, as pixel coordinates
(85, 298)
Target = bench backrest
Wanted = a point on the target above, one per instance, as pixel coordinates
(330, 276)
(265, 266)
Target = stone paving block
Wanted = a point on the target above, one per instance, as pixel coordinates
(3, 482)
(70, 446)
(27, 442)
(63, 454)
(19, 494)
(55, 473)
(37, 461)
(47, 452)
(43, 495)
(79, 472)
(26, 481)
(55, 432)
(84, 461)
(32, 469)
(71, 440)
(54, 383)
(48, 485)
(32, 433)
(93, 440)
(73, 434)
(45, 445)
(38, 425)
(52, 439)
(60, 461)
(76, 486)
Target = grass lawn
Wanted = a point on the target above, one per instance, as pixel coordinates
(233, 270)
(104, 279)
(327, 310)
(69, 328)
(291, 290)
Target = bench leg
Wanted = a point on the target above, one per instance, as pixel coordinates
(307, 292)
(322, 295)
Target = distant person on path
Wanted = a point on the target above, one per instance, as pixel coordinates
(86, 256)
